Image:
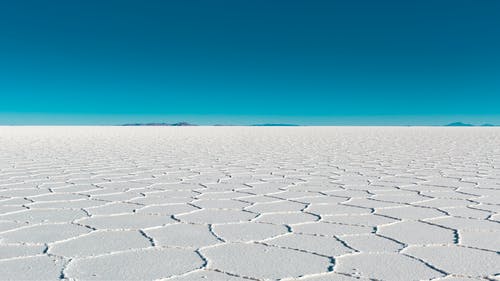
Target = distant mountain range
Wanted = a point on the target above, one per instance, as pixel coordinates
(189, 124)
(180, 124)
(160, 124)
(460, 124)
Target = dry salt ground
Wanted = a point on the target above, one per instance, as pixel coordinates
(247, 203)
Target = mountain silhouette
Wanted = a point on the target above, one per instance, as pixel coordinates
(178, 124)
(459, 124)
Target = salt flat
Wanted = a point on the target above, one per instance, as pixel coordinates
(249, 203)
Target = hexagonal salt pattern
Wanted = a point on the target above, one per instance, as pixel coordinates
(243, 203)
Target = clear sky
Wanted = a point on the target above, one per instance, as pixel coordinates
(360, 62)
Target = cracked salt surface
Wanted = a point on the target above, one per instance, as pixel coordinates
(242, 203)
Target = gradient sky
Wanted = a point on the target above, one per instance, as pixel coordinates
(359, 62)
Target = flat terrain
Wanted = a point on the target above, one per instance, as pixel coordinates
(247, 203)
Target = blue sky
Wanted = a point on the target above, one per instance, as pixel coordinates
(357, 62)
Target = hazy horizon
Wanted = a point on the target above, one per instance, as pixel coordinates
(90, 120)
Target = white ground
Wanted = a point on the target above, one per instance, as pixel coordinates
(238, 203)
